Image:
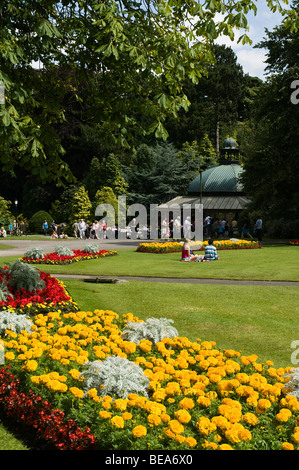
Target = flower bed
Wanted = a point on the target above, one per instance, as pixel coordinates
(79, 255)
(198, 396)
(175, 247)
(53, 296)
(294, 242)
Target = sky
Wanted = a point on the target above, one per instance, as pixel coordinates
(252, 60)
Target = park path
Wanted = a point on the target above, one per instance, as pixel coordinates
(19, 247)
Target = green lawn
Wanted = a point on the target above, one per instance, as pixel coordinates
(268, 263)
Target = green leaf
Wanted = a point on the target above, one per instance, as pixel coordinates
(6, 119)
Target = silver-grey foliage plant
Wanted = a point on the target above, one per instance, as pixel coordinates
(25, 276)
(64, 251)
(91, 248)
(292, 386)
(15, 322)
(153, 329)
(116, 377)
(35, 253)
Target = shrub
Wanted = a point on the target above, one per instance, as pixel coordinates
(36, 221)
(153, 329)
(64, 251)
(115, 376)
(25, 276)
(15, 322)
(91, 248)
(34, 253)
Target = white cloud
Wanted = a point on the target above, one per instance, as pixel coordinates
(252, 60)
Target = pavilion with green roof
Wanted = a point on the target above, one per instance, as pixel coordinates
(218, 188)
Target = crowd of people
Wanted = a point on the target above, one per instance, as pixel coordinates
(85, 230)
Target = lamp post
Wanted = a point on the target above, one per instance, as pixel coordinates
(16, 224)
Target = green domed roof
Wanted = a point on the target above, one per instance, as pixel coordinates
(221, 178)
(229, 143)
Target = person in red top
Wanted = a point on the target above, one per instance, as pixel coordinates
(186, 254)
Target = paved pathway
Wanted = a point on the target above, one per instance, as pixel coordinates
(48, 245)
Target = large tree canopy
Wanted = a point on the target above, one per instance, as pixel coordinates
(139, 54)
(272, 158)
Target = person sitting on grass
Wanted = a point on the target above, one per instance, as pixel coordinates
(186, 252)
(210, 252)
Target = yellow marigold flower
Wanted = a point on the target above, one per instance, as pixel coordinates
(210, 445)
(154, 419)
(284, 415)
(145, 345)
(120, 404)
(175, 426)
(9, 356)
(203, 401)
(139, 431)
(242, 378)
(63, 387)
(295, 437)
(182, 416)
(186, 403)
(77, 392)
(250, 418)
(117, 422)
(221, 422)
(172, 388)
(159, 395)
(205, 426)
(165, 417)
(178, 438)
(287, 446)
(225, 447)
(92, 393)
(155, 408)
(290, 402)
(126, 416)
(190, 441)
(30, 365)
(105, 414)
(74, 373)
(262, 405)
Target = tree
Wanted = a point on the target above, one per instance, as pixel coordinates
(271, 161)
(107, 196)
(138, 53)
(106, 173)
(217, 100)
(81, 205)
(158, 174)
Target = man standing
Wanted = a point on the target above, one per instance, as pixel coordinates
(258, 227)
(82, 228)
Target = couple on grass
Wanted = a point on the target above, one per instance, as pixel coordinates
(210, 252)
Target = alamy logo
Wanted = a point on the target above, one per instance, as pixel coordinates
(2, 93)
(295, 94)
(177, 215)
